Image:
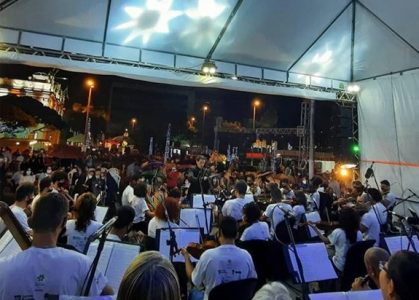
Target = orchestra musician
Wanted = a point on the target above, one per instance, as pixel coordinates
(222, 264)
(198, 178)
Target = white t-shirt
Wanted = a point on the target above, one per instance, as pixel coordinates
(256, 231)
(391, 198)
(127, 194)
(338, 239)
(77, 238)
(299, 211)
(370, 221)
(221, 265)
(21, 217)
(275, 214)
(155, 224)
(380, 210)
(140, 207)
(36, 271)
(234, 207)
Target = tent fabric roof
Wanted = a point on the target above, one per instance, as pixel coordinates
(312, 42)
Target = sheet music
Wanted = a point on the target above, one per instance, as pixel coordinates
(315, 261)
(8, 245)
(397, 243)
(184, 236)
(114, 260)
(358, 295)
(100, 213)
(197, 200)
(195, 217)
(313, 217)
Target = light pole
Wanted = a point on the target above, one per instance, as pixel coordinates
(133, 122)
(91, 84)
(256, 103)
(204, 111)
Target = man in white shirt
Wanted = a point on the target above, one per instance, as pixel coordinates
(275, 212)
(223, 264)
(44, 268)
(24, 196)
(234, 207)
(389, 199)
(128, 192)
(375, 218)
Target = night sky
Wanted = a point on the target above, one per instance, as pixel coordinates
(156, 105)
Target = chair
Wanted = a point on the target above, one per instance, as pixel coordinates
(240, 289)
(259, 250)
(14, 226)
(354, 265)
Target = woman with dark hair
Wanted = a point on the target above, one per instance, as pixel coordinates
(140, 206)
(171, 205)
(300, 207)
(255, 229)
(78, 230)
(150, 276)
(399, 277)
(342, 237)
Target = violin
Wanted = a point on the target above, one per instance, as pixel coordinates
(196, 249)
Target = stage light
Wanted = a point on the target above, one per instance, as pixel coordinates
(356, 149)
(145, 22)
(209, 67)
(344, 172)
(234, 77)
(206, 9)
(353, 88)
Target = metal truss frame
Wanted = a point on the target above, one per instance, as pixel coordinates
(350, 100)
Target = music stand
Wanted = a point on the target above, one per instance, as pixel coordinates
(356, 295)
(194, 217)
(183, 235)
(397, 243)
(114, 260)
(197, 200)
(315, 261)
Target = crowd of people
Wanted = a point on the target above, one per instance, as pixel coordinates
(55, 202)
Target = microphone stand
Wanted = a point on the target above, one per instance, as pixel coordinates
(304, 286)
(204, 204)
(104, 231)
(172, 243)
(408, 234)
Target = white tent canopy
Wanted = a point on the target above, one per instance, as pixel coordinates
(314, 43)
(304, 48)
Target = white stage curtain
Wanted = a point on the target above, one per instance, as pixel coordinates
(389, 132)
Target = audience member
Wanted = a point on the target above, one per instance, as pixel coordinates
(150, 276)
(44, 268)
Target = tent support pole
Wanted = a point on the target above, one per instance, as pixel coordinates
(318, 38)
(105, 32)
(353, 39)
(224, 29)
(388, 26)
